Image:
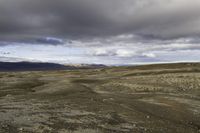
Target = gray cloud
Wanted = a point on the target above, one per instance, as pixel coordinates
(50, 40)
(89, 19)
(13, 59)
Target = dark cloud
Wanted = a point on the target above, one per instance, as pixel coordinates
(50, 40)
(87, 19)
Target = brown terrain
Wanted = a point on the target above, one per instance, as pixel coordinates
(162, 98)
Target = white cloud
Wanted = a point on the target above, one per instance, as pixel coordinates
(151, 55)
(96, 51)
(125, 53)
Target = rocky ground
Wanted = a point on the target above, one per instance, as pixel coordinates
(144, 99)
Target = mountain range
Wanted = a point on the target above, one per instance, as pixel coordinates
(38, 66)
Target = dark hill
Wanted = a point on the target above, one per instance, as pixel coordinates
(32, 66)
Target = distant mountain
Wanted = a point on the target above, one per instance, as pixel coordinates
(37, 66)
(32, 66)
(86, 66)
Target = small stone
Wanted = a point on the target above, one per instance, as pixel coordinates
(8, 95)
(21, 129)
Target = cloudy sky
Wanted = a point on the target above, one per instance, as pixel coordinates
(114, 32)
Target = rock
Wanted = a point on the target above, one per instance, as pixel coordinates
(21, 129)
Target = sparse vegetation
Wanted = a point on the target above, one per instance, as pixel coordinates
(152, 99)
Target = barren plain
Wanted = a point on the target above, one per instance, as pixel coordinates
(162, 98)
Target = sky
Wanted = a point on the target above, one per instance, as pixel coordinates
(112, 32)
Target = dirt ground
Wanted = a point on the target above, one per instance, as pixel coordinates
(143, 99)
